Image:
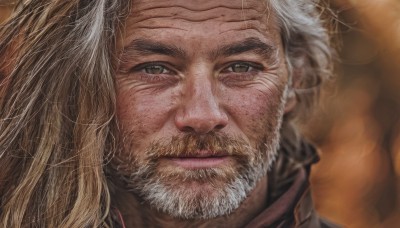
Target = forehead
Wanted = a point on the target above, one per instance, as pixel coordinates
(200, 9)
(211, 20)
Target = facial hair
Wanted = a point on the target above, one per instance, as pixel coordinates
(203, 193)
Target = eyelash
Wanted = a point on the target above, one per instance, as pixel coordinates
(149, 77)
(251, 67)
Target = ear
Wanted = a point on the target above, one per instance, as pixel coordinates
(295, 81)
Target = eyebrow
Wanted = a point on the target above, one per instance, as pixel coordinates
(141, 47)
(252, 44)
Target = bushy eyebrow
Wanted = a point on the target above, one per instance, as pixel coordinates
(142, 47)
(251, 44)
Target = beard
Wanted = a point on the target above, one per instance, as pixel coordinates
(201, 193)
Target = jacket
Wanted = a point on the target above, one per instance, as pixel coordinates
(290, 199)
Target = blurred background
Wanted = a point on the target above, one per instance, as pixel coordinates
(357, 124)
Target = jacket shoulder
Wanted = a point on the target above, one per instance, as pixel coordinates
(327, 224)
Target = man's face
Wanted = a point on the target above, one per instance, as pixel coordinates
(200, 98)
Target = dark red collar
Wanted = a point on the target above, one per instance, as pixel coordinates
(281, 212)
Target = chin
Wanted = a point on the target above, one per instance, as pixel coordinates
(201, 194)
(195, 200)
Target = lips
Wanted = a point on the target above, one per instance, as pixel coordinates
(203, 154)
(200, 159)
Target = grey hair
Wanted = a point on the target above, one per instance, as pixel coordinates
(306, 38)
(308, 50)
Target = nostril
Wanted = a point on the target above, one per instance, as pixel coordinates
(219, 126)
(187, 129)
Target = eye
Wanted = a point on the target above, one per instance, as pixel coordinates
(243, 67)
(237, 73)
(155, 72)
(240, 68)
(156, 69)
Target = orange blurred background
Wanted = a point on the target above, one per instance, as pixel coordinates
(357, 124)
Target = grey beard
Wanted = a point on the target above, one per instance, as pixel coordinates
(169, 194)
(177, 201)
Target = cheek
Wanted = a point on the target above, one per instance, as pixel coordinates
(255, 111)
(141, 116)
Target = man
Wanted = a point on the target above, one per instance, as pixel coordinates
(158, 113)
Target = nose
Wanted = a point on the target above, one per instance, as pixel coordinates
(200, 112)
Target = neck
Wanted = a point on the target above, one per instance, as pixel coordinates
(137, 214)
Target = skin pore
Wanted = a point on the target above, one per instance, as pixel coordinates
(192, 71)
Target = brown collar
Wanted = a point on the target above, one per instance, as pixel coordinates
(281, 212)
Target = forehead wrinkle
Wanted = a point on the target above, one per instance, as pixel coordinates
(254, 25)
(199, 14)
(199, 7)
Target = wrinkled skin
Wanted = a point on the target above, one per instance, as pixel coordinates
(195, 67)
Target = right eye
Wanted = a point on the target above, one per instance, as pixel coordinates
(154, 72)
(156, 69)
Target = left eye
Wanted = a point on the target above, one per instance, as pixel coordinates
(240, 68)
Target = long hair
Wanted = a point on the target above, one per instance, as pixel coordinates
(306, 32)
(57, 103)
(56, 112)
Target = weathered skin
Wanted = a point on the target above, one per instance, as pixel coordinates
(192, 86)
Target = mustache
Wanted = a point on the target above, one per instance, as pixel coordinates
(190, 145)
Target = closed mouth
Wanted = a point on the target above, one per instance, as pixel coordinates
(200, 159)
